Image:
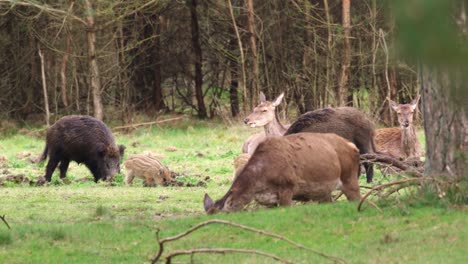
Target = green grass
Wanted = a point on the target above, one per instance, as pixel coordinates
(83, 222)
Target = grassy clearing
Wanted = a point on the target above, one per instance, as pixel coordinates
(85, 222)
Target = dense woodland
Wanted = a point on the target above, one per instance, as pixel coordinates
(211, 58)
(207, 58)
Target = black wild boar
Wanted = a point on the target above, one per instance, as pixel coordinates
(347, 122)
(83, 139)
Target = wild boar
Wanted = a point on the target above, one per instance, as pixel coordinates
(83, 139)
(148, 168)
(303, 166)
(348, 122)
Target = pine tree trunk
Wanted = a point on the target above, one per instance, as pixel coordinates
(445, 125)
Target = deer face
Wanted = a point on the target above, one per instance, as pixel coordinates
(264, 113)
(405, 112)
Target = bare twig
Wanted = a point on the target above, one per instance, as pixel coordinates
(382, 186)
(222, 251)
(148, 123)
(263, 232)
(5, 221)
(402, 165)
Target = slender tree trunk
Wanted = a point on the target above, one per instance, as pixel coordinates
(197, 52)
(92, 60)
(254, 91)
(157, 89)
(346, 59)
(241, 50)
(63, 68)
(44, 87)
(307, 60)
(445, 125)
(330, 55)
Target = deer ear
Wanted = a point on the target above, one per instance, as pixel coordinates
(262, 97)
(393, 104)
(414, 103)
(278, 100)
(207, 203)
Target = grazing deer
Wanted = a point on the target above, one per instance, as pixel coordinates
(304, 167)
(400, 142)
(348, 122)
(264, 115)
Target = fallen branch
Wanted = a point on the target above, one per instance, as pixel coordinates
(217, 221)
(402, 165)
(148, 123)
(5, 221)
(191, 252)
(382, 186)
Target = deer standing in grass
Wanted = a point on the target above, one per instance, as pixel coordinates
(264, 115)
(400, 142)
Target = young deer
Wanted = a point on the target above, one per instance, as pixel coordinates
(400, 142)
(263, 115)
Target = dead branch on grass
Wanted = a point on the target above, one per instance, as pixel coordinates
(382, 186)
(148, 123)
(259, 231)
(5, 221)
(191, 252)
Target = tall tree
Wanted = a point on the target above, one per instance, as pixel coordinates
(254, 91)
(197, 52)
(92, 61)
(444, 62)
(157, 89)
(342, 93)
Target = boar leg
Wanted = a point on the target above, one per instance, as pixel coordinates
(51, 165)
(63, 168)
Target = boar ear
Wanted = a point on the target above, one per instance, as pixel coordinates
(207, 203)
(121, 150)
(262, 97)
(278, 100)
(101, 150)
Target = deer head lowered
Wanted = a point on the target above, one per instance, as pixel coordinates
(303, 166)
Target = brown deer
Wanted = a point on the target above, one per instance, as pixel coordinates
(304, 167)
(264, 115)
(348, 122)
(400, 142)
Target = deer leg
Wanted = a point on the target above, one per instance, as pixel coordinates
(285, 197)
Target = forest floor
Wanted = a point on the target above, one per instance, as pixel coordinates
(84, 222)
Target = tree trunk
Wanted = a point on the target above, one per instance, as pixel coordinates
(346, 60)
(44, 86)
(445, 125)
(197, 52)
(63, 68)
(254, 92)
(157, 89)
(234, 84)
(92, 60)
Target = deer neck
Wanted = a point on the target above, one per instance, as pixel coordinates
(275, 128)
(408, 141)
